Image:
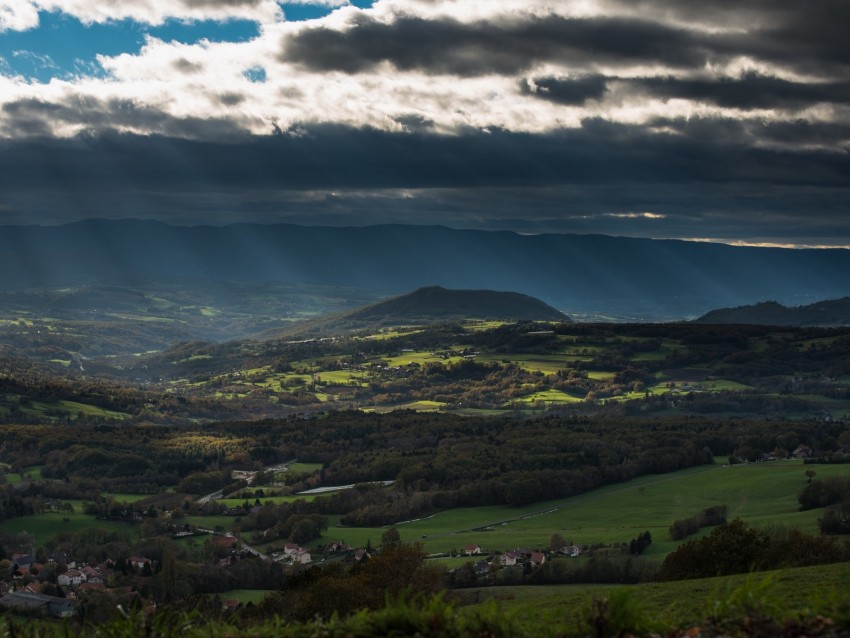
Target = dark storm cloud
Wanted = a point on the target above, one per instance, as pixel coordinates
(750, 91)
(704, 180)
(809, 38)
(504, 47)
(573, 92)
(329, 156)
(33, 117)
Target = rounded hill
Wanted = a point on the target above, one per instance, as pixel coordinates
(435, 303)
(425, 306)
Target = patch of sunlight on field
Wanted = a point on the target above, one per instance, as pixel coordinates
(392, 334)
(549, 397)
(481, 326)
(547, 364)
(420, 357)
(599, 375)
(418, 406)
(194, 357)
(342, 377)
(72, 409)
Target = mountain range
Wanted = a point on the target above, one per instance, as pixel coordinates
(833, 312)
(600, 275)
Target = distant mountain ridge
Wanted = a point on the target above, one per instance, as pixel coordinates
(835, 312)
(627, 277)
(428, 305)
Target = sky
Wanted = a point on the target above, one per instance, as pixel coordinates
(719, 120)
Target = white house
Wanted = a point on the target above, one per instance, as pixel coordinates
(71, 578)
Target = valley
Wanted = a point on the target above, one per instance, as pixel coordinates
(262, 451)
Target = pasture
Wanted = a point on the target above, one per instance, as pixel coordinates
(44, 526)
(758, 493)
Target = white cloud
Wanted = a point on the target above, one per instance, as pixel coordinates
(18, 15)
(212, 81)
(644, 215)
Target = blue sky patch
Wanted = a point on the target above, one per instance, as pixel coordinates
(63, 47)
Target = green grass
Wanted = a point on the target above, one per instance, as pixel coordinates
(92, 410)
(303, 468)
(125, 498)
(72, 408)
(342, 377)
(547, 364)
(759, 493)
(549, 397)
(31, 473)
(421, 358)
(211, 522)
(598, 375)
(43, 526)
(681, 603)
(419, 406)
(718, 385)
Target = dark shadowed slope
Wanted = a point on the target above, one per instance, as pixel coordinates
(437, 303)
(770, 313)
(432, 304)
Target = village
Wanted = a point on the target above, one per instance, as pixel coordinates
(59, 585)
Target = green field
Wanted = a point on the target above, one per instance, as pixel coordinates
(43, 526)
(758, 493)
(679, 603)
(72, 409)
(549, 396)
(210, 522)
(303, 468)
(125, 498)
(31, 473)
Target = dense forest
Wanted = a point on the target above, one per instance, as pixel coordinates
(434, 461)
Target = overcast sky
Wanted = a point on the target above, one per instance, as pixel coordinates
(724, 120)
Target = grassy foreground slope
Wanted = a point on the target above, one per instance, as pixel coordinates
(798, 602)
(781, 594)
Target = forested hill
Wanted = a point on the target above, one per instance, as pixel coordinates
(770, 313)
(434, 304)
(629, 277)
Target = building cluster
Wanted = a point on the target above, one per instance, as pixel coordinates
(56, 585)
(525, 557)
